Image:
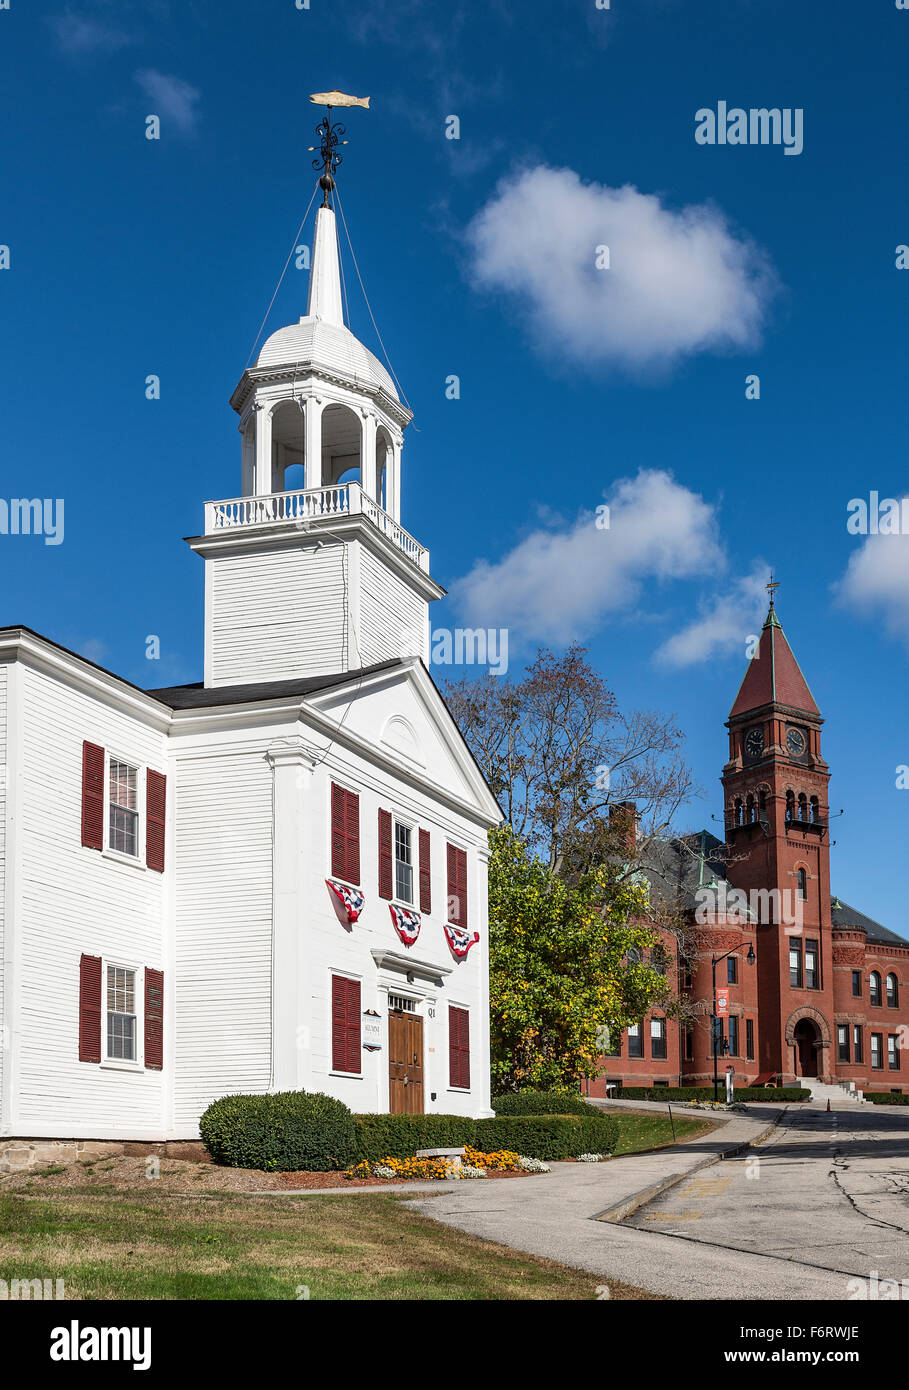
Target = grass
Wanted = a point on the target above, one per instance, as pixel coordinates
(645, 1129)
(131, 1244)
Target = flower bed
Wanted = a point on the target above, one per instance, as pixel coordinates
(475, 1164)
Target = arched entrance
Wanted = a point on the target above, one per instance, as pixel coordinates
(807, 1039)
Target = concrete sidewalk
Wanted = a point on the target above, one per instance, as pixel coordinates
(573, 1214)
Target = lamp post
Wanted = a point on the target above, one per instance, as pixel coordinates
(750, 958)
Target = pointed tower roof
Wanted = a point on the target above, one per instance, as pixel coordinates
(773, 675)
(324, 276)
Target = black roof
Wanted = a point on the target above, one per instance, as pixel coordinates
(678, 867)
(845, 917)
(198, 696)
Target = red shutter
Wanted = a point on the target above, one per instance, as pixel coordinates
(345, 1024)
(457, 886)
(425, 874)
(338, 836)
(345, 834)
(90, 1009)
(155, 809)
(352, 835)
(154, 1019)
(458, 1047)
(92, 796)
(386, 877)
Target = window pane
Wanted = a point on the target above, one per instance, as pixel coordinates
(123, 785)
(403, 863)
(121, 1013)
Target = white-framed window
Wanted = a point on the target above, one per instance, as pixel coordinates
(122, 1013)
(403, 852)
(123, 807)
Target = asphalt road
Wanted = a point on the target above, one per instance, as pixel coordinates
(825, 1190)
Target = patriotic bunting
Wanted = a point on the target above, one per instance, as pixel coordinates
(351, 899)
(406, 923)
(460, 940)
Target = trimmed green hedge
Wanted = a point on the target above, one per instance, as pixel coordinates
(542, 1103)
(280, 1133)
(400, 1136)
(887, 1098)
(549, 1136)
(297, 1131)
(743, 1093)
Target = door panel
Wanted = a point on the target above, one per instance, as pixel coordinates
(405, 1063)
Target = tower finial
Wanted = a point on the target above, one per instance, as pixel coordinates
(330, 137)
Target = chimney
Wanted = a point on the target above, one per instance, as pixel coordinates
(623, 819)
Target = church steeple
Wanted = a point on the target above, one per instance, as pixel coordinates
(310, 570)
(773, 675)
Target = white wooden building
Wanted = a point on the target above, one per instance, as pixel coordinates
(274, 879)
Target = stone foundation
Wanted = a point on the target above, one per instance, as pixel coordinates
(18, 1155)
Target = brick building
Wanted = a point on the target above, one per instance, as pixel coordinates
(809, 986)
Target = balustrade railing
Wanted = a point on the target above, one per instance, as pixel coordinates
(311, 504)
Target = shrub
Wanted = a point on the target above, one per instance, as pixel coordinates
(400, 1136)
(549, 1136)
(887, 1097)
(280, 1133)
(744, 1093)
(542, 1103)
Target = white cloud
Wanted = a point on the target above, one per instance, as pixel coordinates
(876, 582)
(173, 99)
(82, 34)
(558, 584)
(723, 625)
(678, 283)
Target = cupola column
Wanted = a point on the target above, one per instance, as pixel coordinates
(368, 476)
(263, 450)
(393, 482)
(313, 446)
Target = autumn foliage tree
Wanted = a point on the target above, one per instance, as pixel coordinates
(561, 980)
(559, 753)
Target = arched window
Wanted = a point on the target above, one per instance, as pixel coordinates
(737, 816)
(803, 806)
(790, 805)
(874, 990)
(749, 808)
(815, 810)
(762, 798)
(803, 883)
(659, 959)
(893, 992)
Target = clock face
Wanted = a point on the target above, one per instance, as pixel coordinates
(795, 742)
(754, 742)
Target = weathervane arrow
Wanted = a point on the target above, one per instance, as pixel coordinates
(330, 136)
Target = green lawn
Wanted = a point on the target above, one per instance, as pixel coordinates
(650, 1129)
(116, 1244)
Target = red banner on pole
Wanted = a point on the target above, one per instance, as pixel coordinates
(722, 1003)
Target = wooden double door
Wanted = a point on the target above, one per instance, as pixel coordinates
(405, 1063)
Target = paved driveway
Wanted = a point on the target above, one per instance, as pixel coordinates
(827, 1190)
(827, 1199)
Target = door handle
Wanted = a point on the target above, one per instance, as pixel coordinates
(415, 1060)
(407, 1081)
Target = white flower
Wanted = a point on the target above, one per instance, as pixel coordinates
(533, 1165)
(381, 1171)
(590, 1158)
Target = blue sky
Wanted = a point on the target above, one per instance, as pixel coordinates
(131, 257)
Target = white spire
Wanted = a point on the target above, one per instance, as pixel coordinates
(325, 276)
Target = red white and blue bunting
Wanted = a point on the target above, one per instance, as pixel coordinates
(351, 899)
(460, 939)
(406, 923)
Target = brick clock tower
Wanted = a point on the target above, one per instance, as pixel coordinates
(778, 853)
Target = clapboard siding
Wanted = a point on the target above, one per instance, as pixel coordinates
(74, 900)
(389, 612)
(4, 705)
(278, 614)
(223, 929)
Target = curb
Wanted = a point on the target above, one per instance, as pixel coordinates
(619, 1212)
